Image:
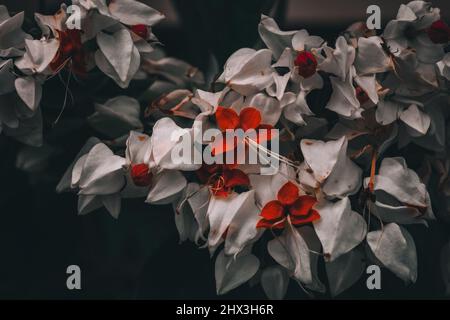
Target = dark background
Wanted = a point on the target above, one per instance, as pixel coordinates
(138, 256)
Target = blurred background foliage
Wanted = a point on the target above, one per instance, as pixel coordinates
(138, 256)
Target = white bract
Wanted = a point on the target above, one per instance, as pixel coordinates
(327, 166)
(407, 31)
(342, 111)
(99, 176)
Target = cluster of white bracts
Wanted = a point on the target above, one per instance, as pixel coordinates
(386, 90)
(115, 37)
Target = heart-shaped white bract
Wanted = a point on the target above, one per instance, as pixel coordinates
(400, 195)
(340, 229)
(99, 176)
(291, 251)
(364, 105)
(327, 165)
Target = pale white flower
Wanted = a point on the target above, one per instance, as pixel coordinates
(328, 167)
(231, 272)
(99, 177)
(410, 112)
(248, 71)
(394, 248)
(350, 90)
(298, 52)
(370, 56)
(147, 175)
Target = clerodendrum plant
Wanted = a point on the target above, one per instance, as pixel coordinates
(346, 114)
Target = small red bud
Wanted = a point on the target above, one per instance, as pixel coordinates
(141, 30)
(306, 63)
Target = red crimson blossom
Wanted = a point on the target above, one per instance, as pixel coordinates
(222, 179)
(228, 119)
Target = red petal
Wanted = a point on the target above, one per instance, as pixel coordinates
(235, 177)
(70, 47)
(75, 37)
(226, 118)
(221, 193)
(288, 193)
(273, 210)
(302, 206)
(263, 224)
(439, 32)
(299, 220)
(249, 118)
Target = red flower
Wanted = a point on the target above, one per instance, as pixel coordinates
(141, 175)
(228, 119)
(361, 95)
(248, 118)
(222, 179)
(289, 203)
(141, 30)
(306, 63)
(439, 32)
(70, 47)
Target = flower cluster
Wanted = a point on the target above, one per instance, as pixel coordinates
(343, 191)
(113, 38)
